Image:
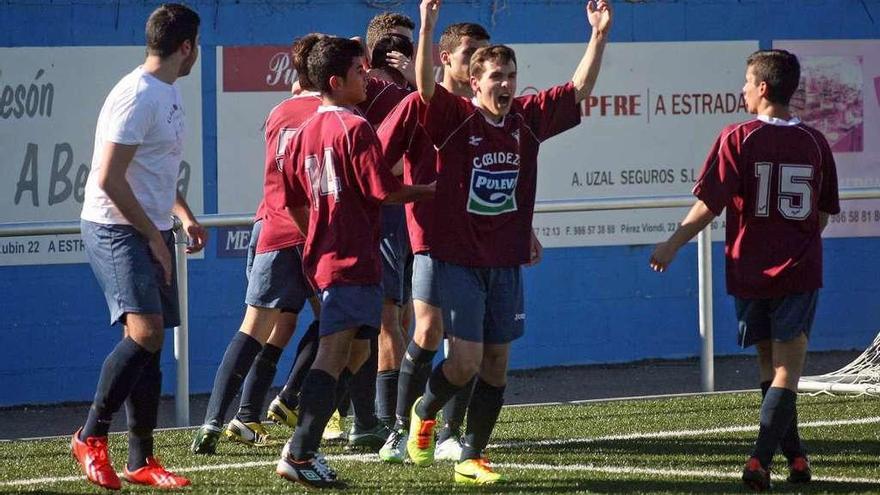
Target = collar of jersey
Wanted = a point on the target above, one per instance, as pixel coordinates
(490, 121)
(774, 121)
(333, 108)
(307, 94)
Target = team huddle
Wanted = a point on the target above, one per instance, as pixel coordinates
(391, 199)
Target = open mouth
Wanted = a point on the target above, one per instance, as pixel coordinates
(504, 99)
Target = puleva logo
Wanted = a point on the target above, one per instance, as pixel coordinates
(492, 193)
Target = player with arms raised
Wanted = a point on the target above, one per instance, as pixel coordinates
(487, 153)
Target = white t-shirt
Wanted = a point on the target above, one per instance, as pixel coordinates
(145, 111)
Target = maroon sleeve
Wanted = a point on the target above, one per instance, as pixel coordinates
(720, 178)
(552, 111)
(294, 194)
(397, 130)
(829, 201)
(443, 114)
(374, 177)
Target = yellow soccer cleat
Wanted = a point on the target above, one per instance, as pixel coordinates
(476, 472)
(280, 414)
(334, 431)
(252, 434)
(420, 444)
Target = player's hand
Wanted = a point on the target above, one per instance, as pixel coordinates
(536, 250)
(162, 255)
(198, 236)
(599, 15)
(403, 64)
(662, 256)
(430, 10)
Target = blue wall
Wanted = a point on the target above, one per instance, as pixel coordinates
(585, 305)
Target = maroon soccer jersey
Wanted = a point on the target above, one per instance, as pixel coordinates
(279, 231)
(487, 173)
(402, 135)
(382, 97)
(774, 177)
(334, 164)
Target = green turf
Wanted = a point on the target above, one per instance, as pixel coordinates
(589, 461)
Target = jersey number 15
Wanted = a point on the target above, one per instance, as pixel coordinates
(794, 190)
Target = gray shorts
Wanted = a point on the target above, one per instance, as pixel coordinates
(395, 251)
(276, 279)
(779, 319)
(481, 304)
(131, 279)
(351, 306)
(425, 282)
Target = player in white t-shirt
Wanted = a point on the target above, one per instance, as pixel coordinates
(131, 193)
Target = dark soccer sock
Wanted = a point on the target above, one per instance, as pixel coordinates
(363, 391)
(306, 351)
(142, 412)
(454, 411)
(791, 442)
(437, 392)
(386, 395)
(414, 371)
(316, 407)
(484, 408)
(120, 372)
(777, 411)
(342, 385)
(237, 360)
(257, 383)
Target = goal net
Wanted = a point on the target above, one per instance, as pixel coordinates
(862, 376)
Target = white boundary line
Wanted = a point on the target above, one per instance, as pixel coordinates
(546, 467)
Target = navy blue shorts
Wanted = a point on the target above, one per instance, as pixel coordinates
(351, 306)
(275, 278)
(780, 319)
(131, 279)
(481, 304)
(395, 250)
(425, 284)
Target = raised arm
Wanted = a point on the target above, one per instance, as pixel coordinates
(429, 9)
(584, 78)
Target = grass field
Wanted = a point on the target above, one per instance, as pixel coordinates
(677, 445)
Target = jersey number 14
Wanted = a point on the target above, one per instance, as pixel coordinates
(794, 190)
(322, 176)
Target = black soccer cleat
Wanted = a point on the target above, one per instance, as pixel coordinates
(314, 472)
(799, 470)
(755, 476)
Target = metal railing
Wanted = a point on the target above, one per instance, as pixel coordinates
(181, 332)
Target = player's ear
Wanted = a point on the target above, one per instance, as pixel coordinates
(445, 58)
(475, 84)
(763, 89)
(336, 82)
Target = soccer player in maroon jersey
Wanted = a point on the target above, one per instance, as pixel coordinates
(336, 181)
(402, 136)
(777, 179)
(487, 150)
(277, 289)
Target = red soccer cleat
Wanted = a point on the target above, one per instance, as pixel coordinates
(93, 458)
(799, 470)
(755, 476)
(153, 474)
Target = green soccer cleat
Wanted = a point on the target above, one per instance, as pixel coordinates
(372, 439)
(394, 450)
(205, 440)
(476, 472)
(252, 434)
(420, 444)
(334, 431)
(282, 415)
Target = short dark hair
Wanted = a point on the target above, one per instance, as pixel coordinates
(392, 42)
(385, 23)
(299, 57)
(452, 35)
(329, 57)
(499, 54)
(780, 70)
(169, 26)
